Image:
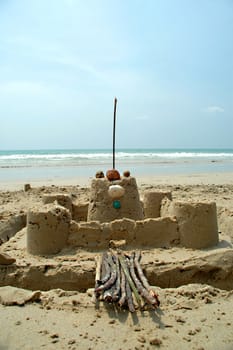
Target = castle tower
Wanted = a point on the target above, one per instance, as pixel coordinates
(110, 200)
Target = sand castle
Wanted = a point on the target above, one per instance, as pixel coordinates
(115, 215)
(57, 236)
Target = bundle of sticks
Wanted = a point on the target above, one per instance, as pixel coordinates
(120, 280)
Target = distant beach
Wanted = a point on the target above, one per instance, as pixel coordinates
(64, 165)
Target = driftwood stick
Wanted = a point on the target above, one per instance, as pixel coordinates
(99, 261)
(143, 278)
(117, 291)
(129, 297)
(105, 269)
(138, 256)
(98, 273)
(143, 292)
(140, 272)
(122, 300)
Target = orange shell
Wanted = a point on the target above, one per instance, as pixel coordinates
(113, 175)
(126, 173)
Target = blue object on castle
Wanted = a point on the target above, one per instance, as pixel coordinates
(116, 204)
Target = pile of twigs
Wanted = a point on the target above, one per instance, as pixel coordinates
(120, 280)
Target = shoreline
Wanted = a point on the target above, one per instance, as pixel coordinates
(153, 180)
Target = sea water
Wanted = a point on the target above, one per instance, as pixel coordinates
(52, 164)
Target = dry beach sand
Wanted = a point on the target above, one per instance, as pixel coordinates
(195, 287)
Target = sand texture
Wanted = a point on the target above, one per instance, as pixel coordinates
(46, 300)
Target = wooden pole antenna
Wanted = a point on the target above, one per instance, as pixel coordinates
(114, 133)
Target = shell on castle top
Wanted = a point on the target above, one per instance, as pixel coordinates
(126, 173)
(113, 175)
(116, 191)
(99, 174)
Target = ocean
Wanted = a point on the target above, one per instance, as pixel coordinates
(26, 165)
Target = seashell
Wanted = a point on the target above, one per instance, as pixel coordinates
(113, 175)
(99, 174)
(116, 191)
(126, 173)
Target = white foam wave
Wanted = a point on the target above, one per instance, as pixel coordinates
(119, 155)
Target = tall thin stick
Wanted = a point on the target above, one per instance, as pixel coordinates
(114, 133)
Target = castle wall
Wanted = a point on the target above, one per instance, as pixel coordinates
(160, 232)
(50, 229)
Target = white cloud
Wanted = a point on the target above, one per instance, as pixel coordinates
(213, 109)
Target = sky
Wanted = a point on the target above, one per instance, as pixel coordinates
(168, 62)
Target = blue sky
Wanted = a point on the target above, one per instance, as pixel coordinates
(169, 63)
